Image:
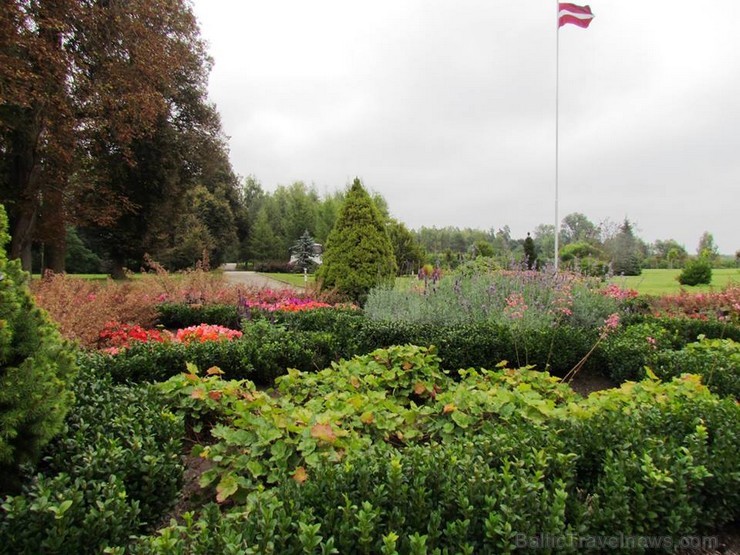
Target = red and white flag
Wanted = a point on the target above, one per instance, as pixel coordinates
(576, 15)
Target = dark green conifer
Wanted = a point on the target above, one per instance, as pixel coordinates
(358, 254)
(35, 364)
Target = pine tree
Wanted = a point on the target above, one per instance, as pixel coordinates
(35, 364)
(303, 251)
(358, 254)
(626, 256)
(530, 255)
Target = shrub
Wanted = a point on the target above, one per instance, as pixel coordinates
(524, 299)
(696, 272)
(111, 472)
(358, 254)
(67, 516)
(182, 315)
(717, 361)
(35, 365)
(653, 458)
(82, 307)
(721, 305)
(623, 355)
(495, 462)
(263, 352)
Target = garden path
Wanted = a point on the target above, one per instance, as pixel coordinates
(254, 279)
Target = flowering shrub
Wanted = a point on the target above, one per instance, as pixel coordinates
(116, 336)
(206, 332)
(83, 307)
(268, 300)
(723, 305)
(615, 292)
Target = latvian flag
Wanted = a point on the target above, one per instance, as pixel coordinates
(577, 15)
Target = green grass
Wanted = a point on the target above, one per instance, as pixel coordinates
(665, 282)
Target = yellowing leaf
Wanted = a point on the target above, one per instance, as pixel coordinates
(407, 365)
(449, 407)
(226, 488)
(214, 370)
(300, 475)
(191, 377)
(367, 418)
(198, 394)
(323, 432)
(419, 388)
(215, 395)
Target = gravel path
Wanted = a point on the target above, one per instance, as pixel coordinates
(253, 279)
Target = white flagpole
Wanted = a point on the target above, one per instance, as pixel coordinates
(557, 83)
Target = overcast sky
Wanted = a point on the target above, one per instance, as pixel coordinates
(447, 108)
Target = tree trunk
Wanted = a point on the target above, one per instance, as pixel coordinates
(117, 270)
(54, 256)
(23, 179)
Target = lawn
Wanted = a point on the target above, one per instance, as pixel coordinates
(665, 282)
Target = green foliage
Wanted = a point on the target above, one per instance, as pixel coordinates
(397, 395)
(80, 259)
(687, 330)
(263, 352)
(717, 361)
(696, 271)
(408, 253)
(624, 354)
(625, 252)
(652, 458)
(542, 299)
(35, 365)
(67, 516)
(183, 315)
(358, 254)
(385, 453)
(303, 251)
(530, 253)
(112, 471)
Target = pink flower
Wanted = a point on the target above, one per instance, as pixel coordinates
(610, 324)
(515, 306)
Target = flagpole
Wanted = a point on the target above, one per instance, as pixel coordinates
(557, 87)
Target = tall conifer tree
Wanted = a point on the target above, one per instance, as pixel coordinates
(358, 254)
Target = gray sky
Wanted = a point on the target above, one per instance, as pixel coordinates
(447, 108)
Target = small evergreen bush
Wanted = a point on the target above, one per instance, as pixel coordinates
(35, 365)
(696, 272)
(112, 471)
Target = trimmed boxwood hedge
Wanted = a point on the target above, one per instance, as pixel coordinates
(113, 471)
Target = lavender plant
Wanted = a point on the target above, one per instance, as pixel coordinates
(532, 300)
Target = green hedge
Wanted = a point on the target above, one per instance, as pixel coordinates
(180, 315)
(717, 361)
(311, 340)
(264, 352)
(649, 459)
(114, 470)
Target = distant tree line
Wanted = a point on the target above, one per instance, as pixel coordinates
(110, 151)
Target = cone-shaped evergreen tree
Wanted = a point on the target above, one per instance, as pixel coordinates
(358, 254)
(626, 257)
(303, 251)
(35, 364)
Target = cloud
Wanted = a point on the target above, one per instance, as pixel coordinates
(447, 108)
